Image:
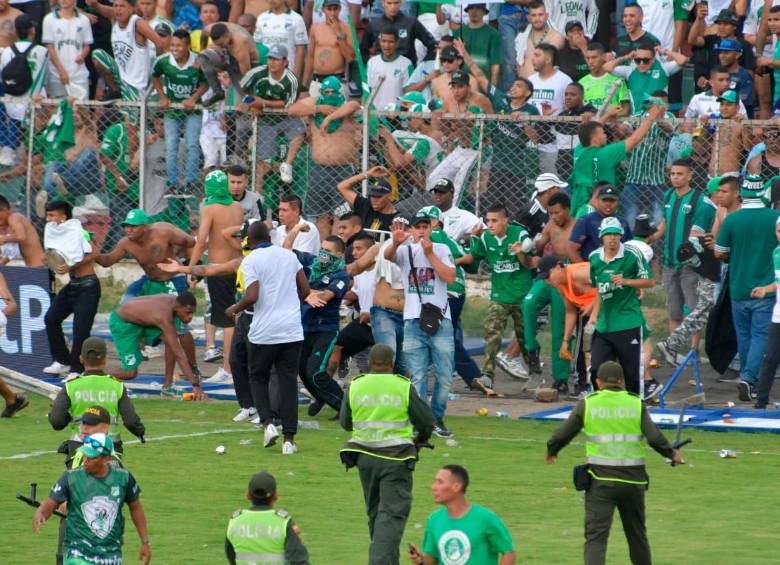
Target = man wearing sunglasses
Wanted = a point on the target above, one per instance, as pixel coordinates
(96, 493)
(646, 75)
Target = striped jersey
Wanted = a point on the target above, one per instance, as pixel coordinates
(260, 83)
(647, 163)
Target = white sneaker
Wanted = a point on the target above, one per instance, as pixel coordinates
(212, 354)
(286, 173)
(255, 420)
(150, 352)
(518, 368)
(57, 368)
(245, 414)
(289, 448)
(220, 377)
(59, 184)
(40, 203)
(7, 156)
(270, 435)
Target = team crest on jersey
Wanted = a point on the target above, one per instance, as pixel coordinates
(455, 548)
(656, 74)
(402, 33)
(100, 514)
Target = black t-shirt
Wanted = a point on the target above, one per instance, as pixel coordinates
(372, 220)
(533, 218)
(625, 44)
(571, 128)
(572, 62)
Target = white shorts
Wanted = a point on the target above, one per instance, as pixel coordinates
(55, 88)
(214, 151)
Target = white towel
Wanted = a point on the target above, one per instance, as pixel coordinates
(67, 239)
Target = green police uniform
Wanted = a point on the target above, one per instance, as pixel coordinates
(382, 411)
(616, 425)
(540, 295)
(263, 535)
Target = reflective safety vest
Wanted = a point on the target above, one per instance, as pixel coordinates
(258, 536)
(613, 429)
(380, 413)
(91, 390)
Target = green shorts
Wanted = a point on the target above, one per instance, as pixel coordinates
(127, 340)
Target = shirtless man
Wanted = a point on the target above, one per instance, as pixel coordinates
(151, 243)
(149, 318)
(541, 32)
(7, 17)
(733, 138)
(13, 401)
(233, 50)
(451, 61)
(463, 101)
(219, 212)
(330, 48)
(335, 139)
(22, 233)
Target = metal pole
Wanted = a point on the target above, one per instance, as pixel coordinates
(366, 117)
(479, 165)
(142, 149)
(28, 180)
(253, 155)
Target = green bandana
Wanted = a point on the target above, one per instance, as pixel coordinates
(336, 100)
(325, 264)
(217, 189)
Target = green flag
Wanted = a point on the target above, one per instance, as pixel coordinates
(59, 131)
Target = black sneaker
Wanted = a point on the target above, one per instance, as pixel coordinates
(581, 391)
(20, 403)
(561, 386)
(216, 97)
(746, 391)
(440, 430)
(760, 405)
(315, 407)
(652, 388)
(533, 362)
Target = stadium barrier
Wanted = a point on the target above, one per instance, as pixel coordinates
(24, 346)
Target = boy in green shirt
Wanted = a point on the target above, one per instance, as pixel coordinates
(503, 247)
(598, 83)
(617, 272)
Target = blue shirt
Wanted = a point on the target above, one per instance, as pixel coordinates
(183, 12)
(742, 82)
(509, 9)
(325, 319)
(586, 233)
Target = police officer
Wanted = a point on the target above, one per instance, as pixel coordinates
(382, 410)
(261, 534)
(93, 387)
(616, 425)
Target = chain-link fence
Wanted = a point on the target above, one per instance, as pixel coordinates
(94, 156)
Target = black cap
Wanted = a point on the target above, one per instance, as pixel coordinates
(421, 217)
(547, 264)
(95, 415)
(571, 25)
(443, 185)
(459, 77)
(480, 6)
(727, 17)
(262, 485)
(94, 345)
(643, 227)
(379, 187)
(610, 372)
(609, 191)
(449, 53)
(23, 23)
(331, 3)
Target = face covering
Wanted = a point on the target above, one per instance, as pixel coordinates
(335, 99)
(325, 263)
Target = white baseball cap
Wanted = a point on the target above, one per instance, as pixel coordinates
(546, 181)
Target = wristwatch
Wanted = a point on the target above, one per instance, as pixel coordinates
(341, 37)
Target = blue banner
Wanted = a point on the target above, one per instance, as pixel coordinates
(24, 347)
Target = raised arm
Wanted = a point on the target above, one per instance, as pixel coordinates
(696, 33)
(653, 114)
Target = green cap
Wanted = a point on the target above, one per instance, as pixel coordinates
(136, 217)
(262, 485)
(729, 96)
(94, 345)
(97, 445)
(430, 212)
(610, 225)
(712, 186)
(436, 104)
(381, 354)
(610, 372)
(649, 101)
(331, 83)
(413, 97)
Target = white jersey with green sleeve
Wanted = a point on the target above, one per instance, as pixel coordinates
(423, 148)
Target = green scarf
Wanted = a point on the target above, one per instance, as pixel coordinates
(216, 187)
(336, 100)
(325, 264)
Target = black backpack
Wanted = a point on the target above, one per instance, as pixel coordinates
(16, 75)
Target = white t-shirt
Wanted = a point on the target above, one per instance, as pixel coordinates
(307, 242)
(317, 16)
(69, 36)
(37, 57)
(396, 73)
(750, 27)
(432, 289)
(364, 286)
(713, 9)
(387, 270)
(249, 205)
(659, 17)
(584, 11)
(458, 223)
(288, 29)
(550, 91)
(277, 312)
(706, 104)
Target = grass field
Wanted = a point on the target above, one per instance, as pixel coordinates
(710, 511)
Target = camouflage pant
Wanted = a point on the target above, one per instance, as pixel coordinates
(697, 319)
(495, 323)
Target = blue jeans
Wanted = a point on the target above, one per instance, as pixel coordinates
(752, 318)
(508, 26)
(464, 364)
(642, 199)
(190, 125)
(388, 328)
(10, 129)
(420, 350)
(81, 177)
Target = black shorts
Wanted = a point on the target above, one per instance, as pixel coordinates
(222, 292)
(354, 338)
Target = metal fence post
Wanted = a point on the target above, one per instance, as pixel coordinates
(367, 130)
(251, 154)
(479, 164)
(142, 149)
(28, 180)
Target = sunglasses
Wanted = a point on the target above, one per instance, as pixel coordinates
(95, 444)
(447, 60)
(642, 60)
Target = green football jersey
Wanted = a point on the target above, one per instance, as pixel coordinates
(510, 280)
(179, 82)
(620, 308)
(259, 82)
(679, 210)
(596, 90)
